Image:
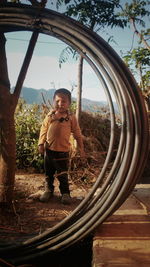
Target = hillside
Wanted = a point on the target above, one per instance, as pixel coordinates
(31, 96)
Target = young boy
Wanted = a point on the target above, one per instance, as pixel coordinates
(54, 144)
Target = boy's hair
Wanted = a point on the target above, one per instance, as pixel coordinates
(63, 91)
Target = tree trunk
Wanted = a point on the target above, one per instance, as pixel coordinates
(79, 93)
(141, 77)
(7, 131)
(8, 143)
(132, 21)
(8, 104)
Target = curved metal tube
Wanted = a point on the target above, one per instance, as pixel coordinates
(132, 148)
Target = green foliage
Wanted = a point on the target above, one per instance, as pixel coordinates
(136, 10)
(73, 106)
(146, 80)
(138, 56)
(135, 13)
(28, 118)
(140, 59)
(65, 54)
(28, 122)
(94, 13)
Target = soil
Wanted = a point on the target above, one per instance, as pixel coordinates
(28, 216)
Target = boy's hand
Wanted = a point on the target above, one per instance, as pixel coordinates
(41, 149)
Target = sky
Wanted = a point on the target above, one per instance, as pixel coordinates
(44, 71)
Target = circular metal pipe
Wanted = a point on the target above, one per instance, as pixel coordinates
(132, 148)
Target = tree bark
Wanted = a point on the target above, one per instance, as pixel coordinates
(132, 22)
(141, 77)
(8, 148)
(79, 92)
(8, 104)
(80, 78)
(7, 130)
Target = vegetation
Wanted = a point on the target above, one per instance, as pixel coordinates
(8, 103)
(27, 124)
(95, 129)
(136, 14)
(86, 12)
(96, 15)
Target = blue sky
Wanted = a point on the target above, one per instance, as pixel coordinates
(44, 71)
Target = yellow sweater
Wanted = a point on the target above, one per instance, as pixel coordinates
(57, 134)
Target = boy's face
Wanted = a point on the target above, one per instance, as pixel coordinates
(61, 102)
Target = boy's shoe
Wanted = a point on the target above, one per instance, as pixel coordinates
(66, 199)
(46, 196)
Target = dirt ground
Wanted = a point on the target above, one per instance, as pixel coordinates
(28, 216)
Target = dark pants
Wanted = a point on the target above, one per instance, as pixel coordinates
(56, 163)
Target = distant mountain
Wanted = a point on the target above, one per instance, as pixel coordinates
(32, 96)
(91, 105)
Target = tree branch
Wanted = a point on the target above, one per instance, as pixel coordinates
(25, 64)
(4, 79)
(132, 22)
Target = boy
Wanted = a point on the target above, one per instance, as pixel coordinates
(54, 144)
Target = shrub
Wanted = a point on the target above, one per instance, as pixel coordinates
(95, 129)
(28, 122)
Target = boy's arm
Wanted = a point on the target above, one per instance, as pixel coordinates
(80, 146)
(43, 133)
(78, 135)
